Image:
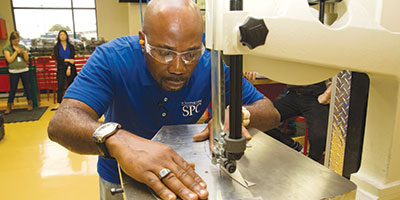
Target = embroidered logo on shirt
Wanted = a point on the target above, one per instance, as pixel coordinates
(190, 108)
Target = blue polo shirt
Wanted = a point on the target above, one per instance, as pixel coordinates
(116, 82)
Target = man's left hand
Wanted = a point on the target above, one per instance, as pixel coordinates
(324, 98)
(207, 132)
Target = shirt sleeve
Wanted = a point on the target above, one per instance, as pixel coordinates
(93, 85)
(6, 48)
(249, 95)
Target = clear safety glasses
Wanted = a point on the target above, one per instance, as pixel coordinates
(166, 56)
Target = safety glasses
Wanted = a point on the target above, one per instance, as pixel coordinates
(166, 56)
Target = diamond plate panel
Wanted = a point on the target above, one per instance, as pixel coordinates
(338, 119)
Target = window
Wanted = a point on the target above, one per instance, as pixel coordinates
(37, 23)
(43, 18)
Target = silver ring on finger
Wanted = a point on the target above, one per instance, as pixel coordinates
(164, 173)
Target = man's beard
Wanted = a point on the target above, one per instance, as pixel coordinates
(178, 79)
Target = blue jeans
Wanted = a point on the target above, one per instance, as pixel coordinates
(105, 190)
(14, 78)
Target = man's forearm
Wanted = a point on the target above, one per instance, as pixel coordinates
(263, 115)
(72, 127)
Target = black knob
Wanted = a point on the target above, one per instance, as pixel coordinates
(253, 32)
(230, 166)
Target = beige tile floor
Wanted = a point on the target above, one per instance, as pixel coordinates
(33, 167)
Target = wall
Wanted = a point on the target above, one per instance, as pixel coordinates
(134, 18)
(118, 19)
(112, 19)
(6, 14)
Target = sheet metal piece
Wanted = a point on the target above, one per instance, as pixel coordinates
(278, 171)
(237, 177)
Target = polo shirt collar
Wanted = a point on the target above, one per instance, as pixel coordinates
(147, 79)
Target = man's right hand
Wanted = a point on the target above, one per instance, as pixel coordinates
(143, 159)
(139, 158)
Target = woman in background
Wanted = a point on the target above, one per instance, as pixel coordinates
(17, 56)
(64, 53)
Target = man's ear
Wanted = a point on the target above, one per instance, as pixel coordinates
(141, 39)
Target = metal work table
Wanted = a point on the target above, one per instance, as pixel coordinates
(278, 171)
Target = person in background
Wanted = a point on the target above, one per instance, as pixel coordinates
(16, 56)
(310, 101)
(289, 127)
(64, 53)
(140, 83)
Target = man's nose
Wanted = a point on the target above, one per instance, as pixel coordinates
(178, 66)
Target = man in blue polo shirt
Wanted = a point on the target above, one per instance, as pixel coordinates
(141, 83)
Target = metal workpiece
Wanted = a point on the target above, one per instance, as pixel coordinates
(278, 171)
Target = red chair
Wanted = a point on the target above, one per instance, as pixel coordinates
(79, 63)
(300, 119)
(42, 74)
(52, 78)
(4, 78)
(3, 63)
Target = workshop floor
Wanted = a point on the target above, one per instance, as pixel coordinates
(33, 167)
